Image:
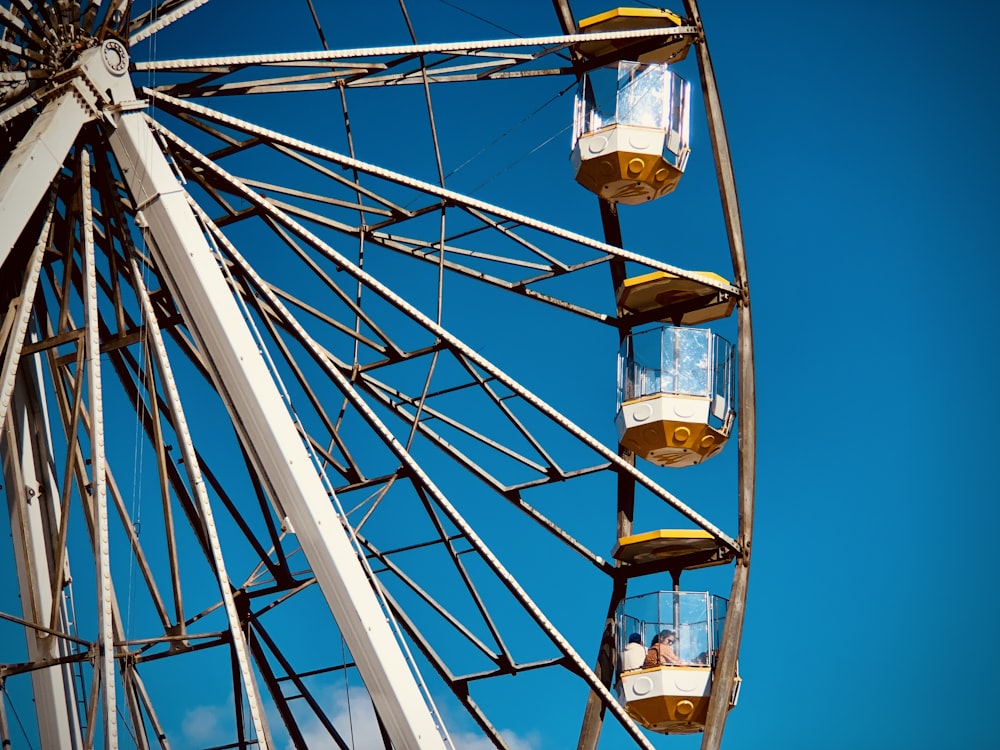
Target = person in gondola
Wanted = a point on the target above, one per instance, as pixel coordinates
(634, 654)
(661, 652)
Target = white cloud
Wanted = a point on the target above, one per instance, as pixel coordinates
(464, 741)
(351, 718)
(356, 718)
(206, 724)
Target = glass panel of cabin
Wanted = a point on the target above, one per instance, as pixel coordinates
(693, 644)
(641, 90)
(695, 618)
(691, 363)
(595, 102)
(639, 365)
(649, 96)
(719, 608)
(678, 119)
(679, 361)
(669, 354)
(724, 381)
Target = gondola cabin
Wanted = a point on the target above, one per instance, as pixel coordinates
(676, 385)
(630, 134)
(677, 390)
(668, 645)
(632, 120)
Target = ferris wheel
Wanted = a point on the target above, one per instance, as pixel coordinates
(307, 391)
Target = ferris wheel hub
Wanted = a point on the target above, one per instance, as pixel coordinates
(115, 57)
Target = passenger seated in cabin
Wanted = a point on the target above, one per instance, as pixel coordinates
(661, 652)
(634, 654)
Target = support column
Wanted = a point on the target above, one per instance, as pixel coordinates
(36, 160)
(264, 423)
(31, 502)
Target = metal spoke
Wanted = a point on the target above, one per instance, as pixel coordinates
(459, 348)
(545, 46)
(163, 19)
(448, 195)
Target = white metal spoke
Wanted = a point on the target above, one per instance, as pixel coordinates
(207, 515)
(459, 347)
(243, 378)
(468, 532)
(550, 44)
(431, 189)
(25, 104)
(164, 21)
(11, 21)
(102, 552)
(29, 172)
(13, 342)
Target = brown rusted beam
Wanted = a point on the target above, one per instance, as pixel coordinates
(725, 669)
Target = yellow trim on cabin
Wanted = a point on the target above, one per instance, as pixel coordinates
(628, 177)
(657, 275)
(628, 13)
(676, 667)
(673, 713)
(673, 443)
(681, 545)
(665, 534)
(631, 19)
(668, 290)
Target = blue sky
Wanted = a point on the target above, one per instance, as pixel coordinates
(863, 145)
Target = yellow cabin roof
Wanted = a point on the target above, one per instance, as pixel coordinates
(662, 289)
(627, 19)
(617, 19)
(671, 544)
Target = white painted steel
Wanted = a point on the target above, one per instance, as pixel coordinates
(14, 110)
(39, 156)
(351, 394)
(459, 346)
(165, 20)
(105, 662)
(265, 425)
(29, 485)
(431, 189)
(12, 21)
(19, 328)
(413, 50)
(197, 481)
(241, 375)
